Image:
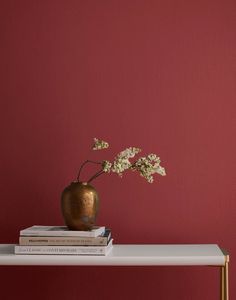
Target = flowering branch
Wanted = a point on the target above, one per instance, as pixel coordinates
(147, 166)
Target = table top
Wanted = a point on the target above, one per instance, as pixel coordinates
(125, 255)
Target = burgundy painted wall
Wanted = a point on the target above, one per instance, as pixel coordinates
(159, 75)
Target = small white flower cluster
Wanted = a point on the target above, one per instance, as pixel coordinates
(149, 165)
(99, 144)
(121, 162)
(106, 166)
(128, 153)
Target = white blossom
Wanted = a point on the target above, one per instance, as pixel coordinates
(149, 165)
(120, 165)
(99, 144)
(106, 165)
(160, 170)
(129, 152)
(121, 162)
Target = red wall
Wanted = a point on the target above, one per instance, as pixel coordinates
(159, 75)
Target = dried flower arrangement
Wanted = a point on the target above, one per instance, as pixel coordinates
(147, 166)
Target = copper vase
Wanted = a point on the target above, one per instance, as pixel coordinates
(79, 205)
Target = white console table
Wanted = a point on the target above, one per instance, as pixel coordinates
(132, 255)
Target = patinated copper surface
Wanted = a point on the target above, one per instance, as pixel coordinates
(79, 205)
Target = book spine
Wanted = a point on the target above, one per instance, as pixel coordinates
(61, 250)
(60, 241)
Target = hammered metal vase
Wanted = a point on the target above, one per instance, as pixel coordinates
(79, 205)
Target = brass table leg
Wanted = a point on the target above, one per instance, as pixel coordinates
(225, 279)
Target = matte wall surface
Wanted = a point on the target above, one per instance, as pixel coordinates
(159, 75)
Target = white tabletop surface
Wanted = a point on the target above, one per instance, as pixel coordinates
(125, 255)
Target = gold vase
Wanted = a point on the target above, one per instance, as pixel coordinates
(79, 205)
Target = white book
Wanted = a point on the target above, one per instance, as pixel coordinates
(101, 240)
(63, 250)
(38, 230)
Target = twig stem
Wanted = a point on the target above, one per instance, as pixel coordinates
(84, 163)
(96, 175)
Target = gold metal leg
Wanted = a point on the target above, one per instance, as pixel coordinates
(225, 280)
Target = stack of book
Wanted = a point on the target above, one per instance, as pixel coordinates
(60, 240)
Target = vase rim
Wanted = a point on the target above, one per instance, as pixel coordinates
(81, 182)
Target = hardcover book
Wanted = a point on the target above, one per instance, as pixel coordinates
(66, 240)
(38, 230)
(64, 250)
